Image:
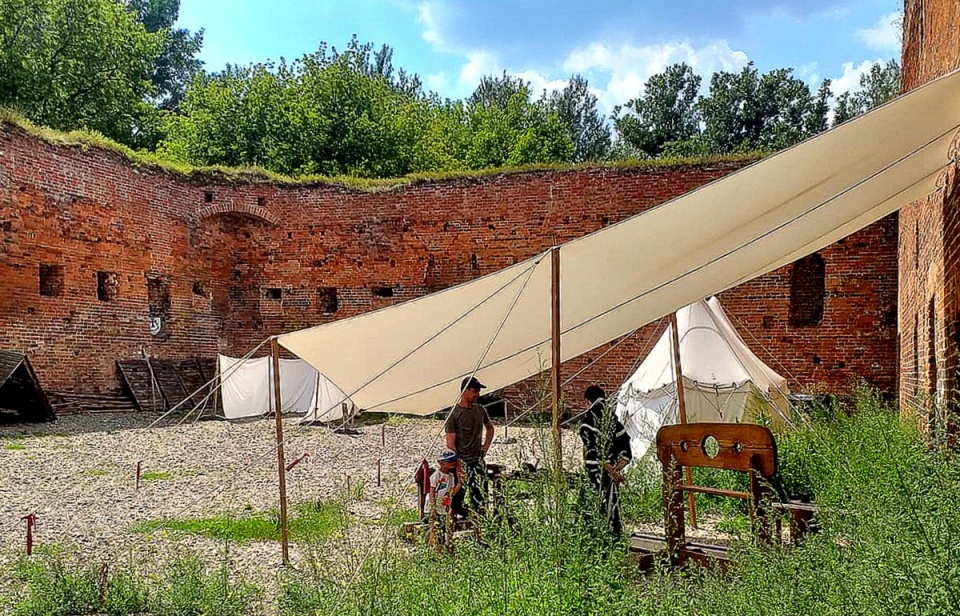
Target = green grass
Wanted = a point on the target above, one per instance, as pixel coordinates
(308, 522)
(59, 583)
(155, 476)
(14, 446)
(96, 472)
(394, 514)
(889, 544)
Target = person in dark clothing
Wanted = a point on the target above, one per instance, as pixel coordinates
(469, 433)
(606, 451)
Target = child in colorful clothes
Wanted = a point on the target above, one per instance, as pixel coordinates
(445, 483)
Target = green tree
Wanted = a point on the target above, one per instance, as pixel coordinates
(330, 112)
(746, 111)
(666, 111)
(77, 64)
(506, 128)
(878, 86)
(177, 63)
(576, 109)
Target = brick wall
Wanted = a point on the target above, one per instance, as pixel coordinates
(217, 265)
(929, 250)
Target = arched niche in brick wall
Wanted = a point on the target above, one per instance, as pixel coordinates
(244, 209)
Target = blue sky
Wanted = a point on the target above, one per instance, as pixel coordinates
(616, 45)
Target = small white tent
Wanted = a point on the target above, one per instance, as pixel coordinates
(723, 381)
(247, 390)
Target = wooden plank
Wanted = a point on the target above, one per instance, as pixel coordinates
(736, 447)
(208, 367)
(167, 373)
(648, 549)
(714, 491)
(138, 378)
(194, 382)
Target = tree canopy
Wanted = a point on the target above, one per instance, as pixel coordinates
(78, 64)
(123, 68)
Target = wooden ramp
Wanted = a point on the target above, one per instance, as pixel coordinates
(162, 384)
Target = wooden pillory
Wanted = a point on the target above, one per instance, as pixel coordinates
(747, 448)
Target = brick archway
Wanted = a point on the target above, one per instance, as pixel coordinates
(255, 211)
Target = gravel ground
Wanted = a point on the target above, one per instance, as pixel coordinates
(78, 475)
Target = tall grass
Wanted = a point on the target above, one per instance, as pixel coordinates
(889, 543)
(59, 583)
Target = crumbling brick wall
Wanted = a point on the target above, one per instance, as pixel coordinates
(929, 250)
(102, 259)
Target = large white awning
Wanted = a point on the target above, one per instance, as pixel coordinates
(411, 357)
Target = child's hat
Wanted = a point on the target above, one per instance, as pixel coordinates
(447, 455)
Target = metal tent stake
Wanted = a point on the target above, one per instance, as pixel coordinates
(281, 465)
(681, 404)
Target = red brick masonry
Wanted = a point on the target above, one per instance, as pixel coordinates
(95, 250)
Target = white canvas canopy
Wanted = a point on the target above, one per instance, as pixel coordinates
(723, 380)
(411, 357)
(247, 389)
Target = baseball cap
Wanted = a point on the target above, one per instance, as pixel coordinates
(447, 455)
(471, 383)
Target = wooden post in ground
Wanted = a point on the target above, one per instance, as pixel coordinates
(682, 408)
(555, 356)
(281, 464)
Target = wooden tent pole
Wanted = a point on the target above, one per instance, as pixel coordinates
(281, 463)
(555, 357)
(681, 403)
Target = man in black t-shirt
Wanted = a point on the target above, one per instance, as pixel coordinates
(469, 433)
(606, 451)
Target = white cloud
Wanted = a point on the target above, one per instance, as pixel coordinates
(428, 15)
(849, 80)
(627, 67)
(479, 63)
(885, 35)
(540, 83)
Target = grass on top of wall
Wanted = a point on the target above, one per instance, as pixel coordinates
(222, 174)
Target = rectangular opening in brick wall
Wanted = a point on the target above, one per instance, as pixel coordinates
(51, 280)
(107, 285)
(199, 289)
(158, 296)
(383, 291)
(807, 291)
(261, 201)
(327, 300)
(208, 197)
(273, 293)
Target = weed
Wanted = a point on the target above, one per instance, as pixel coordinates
(889, 543)
(155, 476)
(315, 521)
(14, 446)
(187, 586)
(95, 472)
